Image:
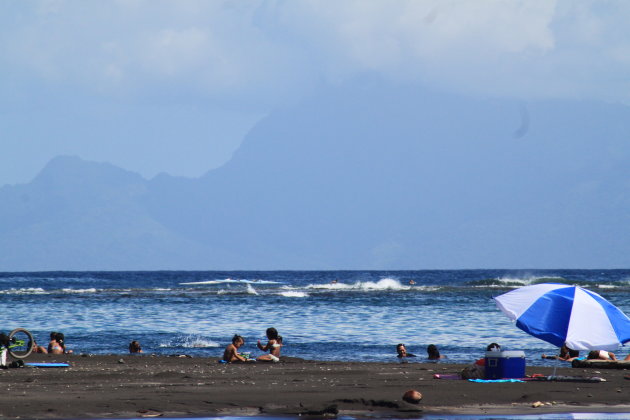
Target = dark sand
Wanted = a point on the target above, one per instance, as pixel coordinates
(127, 386)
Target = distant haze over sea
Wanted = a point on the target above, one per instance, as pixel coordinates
(365, 176)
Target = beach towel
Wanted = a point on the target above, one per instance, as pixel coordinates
(494, 380)
(47, 365)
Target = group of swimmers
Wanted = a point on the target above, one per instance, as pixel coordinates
(432, 352)
(273, 346)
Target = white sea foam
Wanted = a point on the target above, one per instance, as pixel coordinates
(363, 286)
(514, 282)
(224, 281)
(294, 293)
(70, 290)
(190, 341)
(427, 288)
(24, 291)
(228, 280)
(251, 290)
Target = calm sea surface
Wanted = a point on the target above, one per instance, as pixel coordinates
(325, 315)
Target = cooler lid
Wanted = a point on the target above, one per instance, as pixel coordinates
(505, 354)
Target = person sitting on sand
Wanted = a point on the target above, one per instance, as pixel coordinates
(134, 347)
(230, 355)
(478, 369)
(601, 355)
(433, 353)
(53, 346)
(490, 347)
(273, 346)
(402, 351)
(57, 344)
(566, 354)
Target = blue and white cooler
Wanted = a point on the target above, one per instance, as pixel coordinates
(505, 364)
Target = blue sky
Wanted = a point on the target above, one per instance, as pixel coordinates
(173, 86)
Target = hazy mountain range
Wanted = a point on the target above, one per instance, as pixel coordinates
(362, 176)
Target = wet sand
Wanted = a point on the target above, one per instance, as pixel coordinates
(142, 386)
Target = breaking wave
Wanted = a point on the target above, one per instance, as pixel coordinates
(294, 293)
(24, 291)
(190, 341)
(228, 281)
(69, 290)
(363, 286)
(512, 282)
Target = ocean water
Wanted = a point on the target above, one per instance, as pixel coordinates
(323, 315)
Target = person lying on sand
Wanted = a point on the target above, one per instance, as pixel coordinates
(273, 346)
(566, 354)
(601, 355)
(230, 355)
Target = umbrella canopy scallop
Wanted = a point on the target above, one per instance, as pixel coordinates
(563, 314)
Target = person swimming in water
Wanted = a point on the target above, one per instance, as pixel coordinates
(135, 347)
(433, 353)
(402, 351)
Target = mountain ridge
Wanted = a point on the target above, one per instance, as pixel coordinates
(365, 176)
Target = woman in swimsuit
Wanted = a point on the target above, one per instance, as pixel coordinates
(57, 345)
(273, 346)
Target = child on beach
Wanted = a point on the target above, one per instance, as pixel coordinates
(53, 346)
(273, 346)
(230, 355)
(57, 344)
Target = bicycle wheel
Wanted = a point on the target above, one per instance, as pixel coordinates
(21, 343)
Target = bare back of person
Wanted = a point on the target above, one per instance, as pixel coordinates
(273, 346)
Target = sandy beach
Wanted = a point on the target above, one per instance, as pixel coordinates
(142, 386)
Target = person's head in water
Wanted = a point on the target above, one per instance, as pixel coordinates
(134, 347)
(433, 352)
(272, 333)
(237, 340)
(493, 347)
(401, 350)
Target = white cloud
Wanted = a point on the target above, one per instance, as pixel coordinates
(266, 50)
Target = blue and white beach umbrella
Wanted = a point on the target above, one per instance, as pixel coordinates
(559, 314)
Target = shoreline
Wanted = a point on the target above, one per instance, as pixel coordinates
(117, 386)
